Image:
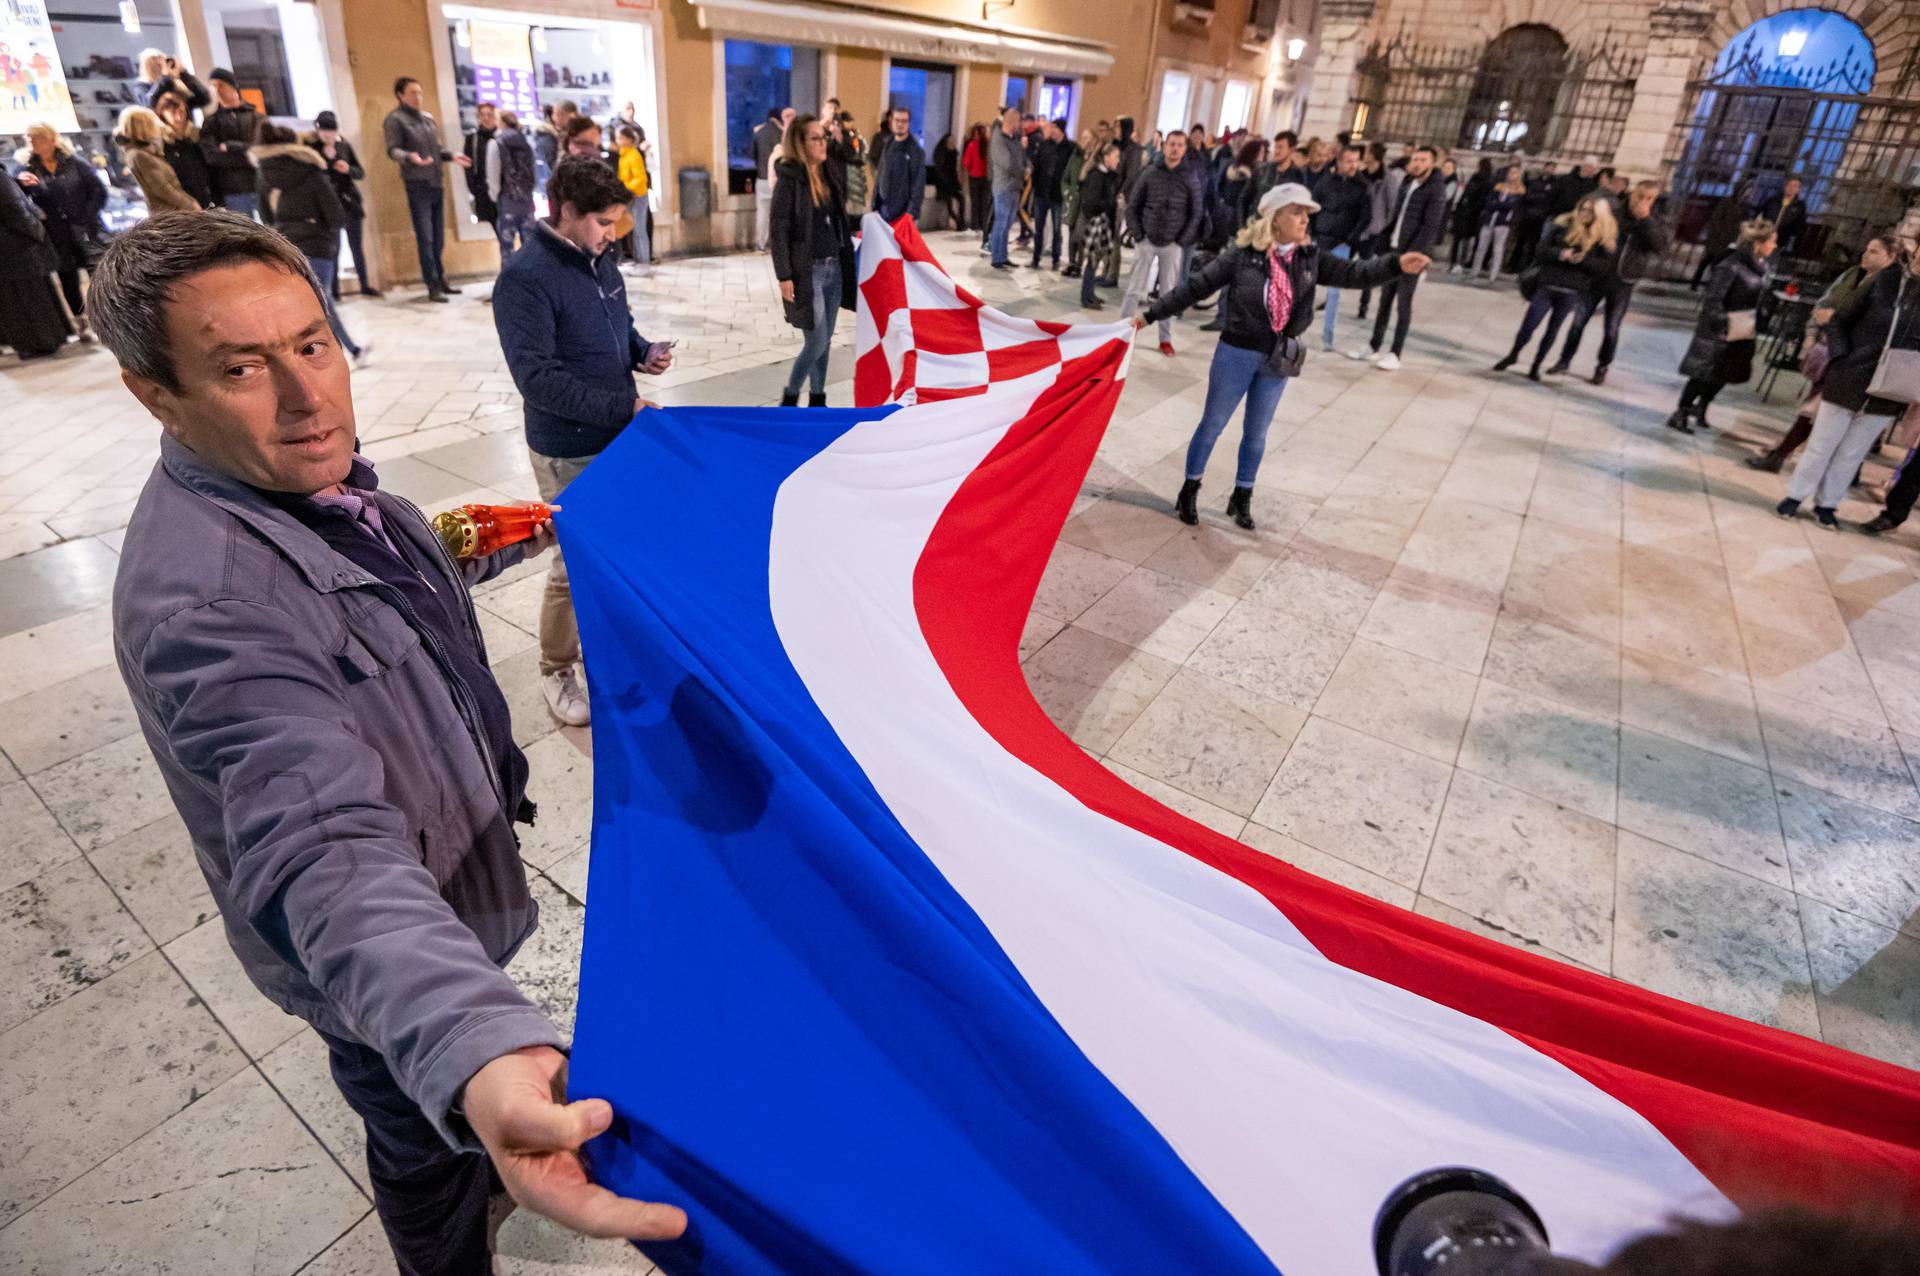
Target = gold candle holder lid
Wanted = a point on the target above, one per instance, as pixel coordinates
(457, 531)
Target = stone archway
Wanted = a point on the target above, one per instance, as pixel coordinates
(1511, 103)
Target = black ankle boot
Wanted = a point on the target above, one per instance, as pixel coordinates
(1513, 357)
(789, 398)
(817, 399)
(1770, 463)
(1678, 421)
(1533, 371)
(1240, 505)
(1559, 369)
(1187, 504)
(1600, 375)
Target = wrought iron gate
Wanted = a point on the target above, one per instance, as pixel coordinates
(1526, 91)
(1745, 129)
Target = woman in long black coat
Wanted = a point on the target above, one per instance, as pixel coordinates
(812, 252)
(1717, 358)
(71, 195)
(30, 318)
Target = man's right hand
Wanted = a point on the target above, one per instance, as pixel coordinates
(786, 290)
(640, 405)
(516, 1104)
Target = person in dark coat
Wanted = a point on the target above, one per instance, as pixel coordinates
(900, 178)
(1723, 225)
(298, 199)
(1883, 315)
(1716, 358)
(30, 318)
(475, 149)
(182, 150)
(1345, 197)
(346, 173)
(1098, 214)
(1270, 274)
(1788, 213)
(1530, 218)
(226, 135)
(1162, 212)
(142, 140)
(1643, 243)
(1576, 255)
(1052, 151)
(1573, 186)
(812, 251)
(944, 172)
(1416, 225)
(1466, 217)
(70, 195)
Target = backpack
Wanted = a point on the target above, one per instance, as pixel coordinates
(516, 165)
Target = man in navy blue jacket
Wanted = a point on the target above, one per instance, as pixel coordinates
(902, 176)
(560, 307)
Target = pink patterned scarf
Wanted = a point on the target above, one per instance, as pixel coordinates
(1279, 287)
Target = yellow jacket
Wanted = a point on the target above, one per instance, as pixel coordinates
(633, 171)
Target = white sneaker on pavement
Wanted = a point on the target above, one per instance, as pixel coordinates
(1359, 353)
(1388, 362)
(566, 698)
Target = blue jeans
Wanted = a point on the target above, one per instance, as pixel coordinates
(246, 202)
(513, 227)
(325, 269)
(1236, 374)
(1043, 209)
(1344, 252)
(1616, 297)
(425, 202)
(1004, 204)
(1553, 305)
(811, 364)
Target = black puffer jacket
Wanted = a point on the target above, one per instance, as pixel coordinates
(1857, 337)
(298, 200)
(190, 166)
(1161, 207)
(1243, 273)
(71, 194)
(226, 135)
(1583, 276)
(1738, 282)
(1345, 203)
(1099, 193)
(790, 236)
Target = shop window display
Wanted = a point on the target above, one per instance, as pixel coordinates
(761, 78)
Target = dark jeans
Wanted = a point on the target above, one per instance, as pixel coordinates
(359, 253)
(1399, 288)
(70, 289)
(425, 203)
(1526, 241)
(326, 270)
(431, 1199)
(1615, 300)
(1551, 304)
(1089, 274)
(1043, 210)
(980, 203)
(1906, 487)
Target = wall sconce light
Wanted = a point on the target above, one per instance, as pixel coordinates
(1792, 42)
(1295, 48)
(129, 16)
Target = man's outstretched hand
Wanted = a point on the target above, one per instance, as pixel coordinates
(516, 1104)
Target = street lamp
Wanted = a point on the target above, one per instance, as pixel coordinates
(1792, 42)
(1295, 47)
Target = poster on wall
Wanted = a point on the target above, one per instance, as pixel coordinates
(502, 67)
(32, 84)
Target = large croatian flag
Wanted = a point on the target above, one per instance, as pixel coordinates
(883, 974)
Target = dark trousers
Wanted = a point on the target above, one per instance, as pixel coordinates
(980, 203)
(1551, 304)
(1397, 289)
(1613, 302)
(1905, 489)
(70, 288)
(1043, 210)
(1697, 393)
(357, 250)
(431, 1199)
(425, 204)
(1526, 241)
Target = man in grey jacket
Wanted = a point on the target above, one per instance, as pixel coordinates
(1007, 169)
(413, 142)
(310, 677)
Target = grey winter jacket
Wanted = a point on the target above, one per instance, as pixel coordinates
(408, 131)
(1006, 162)
(347, 823)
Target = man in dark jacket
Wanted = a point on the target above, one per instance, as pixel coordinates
(1530, 220)
(1163, 214)
(1051, 152)
(1572, 187)
(310, 678)
(226, 135)
(30, 317)
(900, 182)
(1788, 213)
(1643, 242)
(1344, 197)
(1418, 221)
(343, 169)
(413, 142)
(475, 149)
(560, 307)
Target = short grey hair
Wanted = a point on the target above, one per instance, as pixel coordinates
(134, 280)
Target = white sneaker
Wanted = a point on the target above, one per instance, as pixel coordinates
(1360, 353)
(566, 698)
(1388, 362)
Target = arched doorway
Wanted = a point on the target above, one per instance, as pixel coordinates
(1792, 96)
(1511, 103)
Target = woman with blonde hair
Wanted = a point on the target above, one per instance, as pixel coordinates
(1721, 353)
(70, 196)
(143, 140)
(1574, 258)
(1269, 274)
(812, 252)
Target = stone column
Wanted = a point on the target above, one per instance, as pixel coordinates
(1674, 56)
(1344, 26)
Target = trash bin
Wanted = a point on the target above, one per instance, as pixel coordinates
(696, 194)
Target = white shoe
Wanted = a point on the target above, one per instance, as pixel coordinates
(566, 698)
(1360, 353)
(1388, 362)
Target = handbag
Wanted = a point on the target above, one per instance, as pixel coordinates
(1897, 375)
(1529, 282)
(1740, 325)
(1287, 358)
